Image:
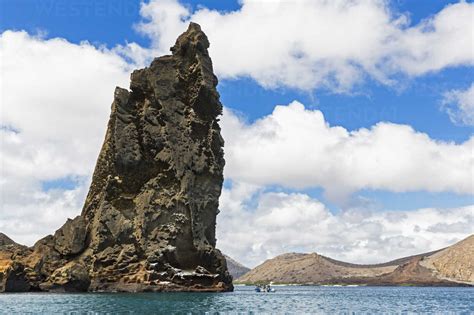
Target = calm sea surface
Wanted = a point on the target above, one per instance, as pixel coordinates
(288, 299)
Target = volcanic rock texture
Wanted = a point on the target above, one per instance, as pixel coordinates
(148, 223)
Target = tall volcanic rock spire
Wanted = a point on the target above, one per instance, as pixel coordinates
(149, 219)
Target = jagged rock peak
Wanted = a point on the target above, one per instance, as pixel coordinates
(148, 222)
(5, 240)
(195, 37)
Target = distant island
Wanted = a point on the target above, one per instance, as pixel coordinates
(451, 266)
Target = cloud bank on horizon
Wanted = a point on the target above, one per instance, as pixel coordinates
(56, 97)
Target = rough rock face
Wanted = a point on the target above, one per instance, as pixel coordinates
(12, 272)
(149, 219)
(5, 240)
(70, 239)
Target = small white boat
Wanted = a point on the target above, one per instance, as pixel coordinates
(264, 289)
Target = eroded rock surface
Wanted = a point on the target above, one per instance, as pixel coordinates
(148, 223)
(70, 238)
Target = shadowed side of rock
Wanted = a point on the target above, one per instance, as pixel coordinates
(148, 223)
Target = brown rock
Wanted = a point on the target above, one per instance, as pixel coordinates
(70, 238)
(12, 270)
(5, 240)
(73, 277)
(13, 279)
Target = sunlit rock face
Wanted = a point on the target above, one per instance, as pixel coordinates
(148, 223)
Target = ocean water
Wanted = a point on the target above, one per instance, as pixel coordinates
(244, 300)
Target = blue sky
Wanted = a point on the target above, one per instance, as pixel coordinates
(413, 100)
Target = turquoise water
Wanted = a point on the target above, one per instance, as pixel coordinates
(327, 300)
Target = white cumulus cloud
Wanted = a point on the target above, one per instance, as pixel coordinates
(311, 44)
(55, 102)
(459, 104)
(296, 147)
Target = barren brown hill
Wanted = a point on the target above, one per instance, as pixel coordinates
(450, 266)
(308, 269)
(455, 263)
